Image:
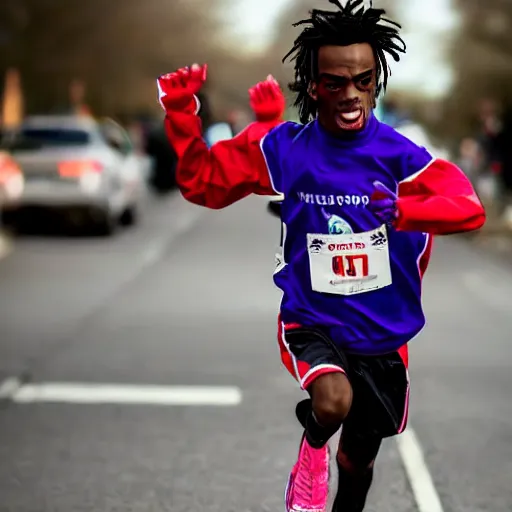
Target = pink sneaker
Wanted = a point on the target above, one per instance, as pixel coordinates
(308, 484)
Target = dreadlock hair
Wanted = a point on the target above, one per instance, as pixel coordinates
(350, 24)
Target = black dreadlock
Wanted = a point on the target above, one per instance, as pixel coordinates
(352, 24)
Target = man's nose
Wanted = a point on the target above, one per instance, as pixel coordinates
(349, 94)
(349, 101)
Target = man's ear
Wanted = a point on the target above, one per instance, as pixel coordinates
(312, 91)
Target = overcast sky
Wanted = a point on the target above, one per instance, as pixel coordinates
(253, 21)
(427, 24)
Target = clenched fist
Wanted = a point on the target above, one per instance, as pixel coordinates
(176, 90)
(267, 100)
(383, 203)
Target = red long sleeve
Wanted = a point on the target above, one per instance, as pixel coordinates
(439, 200)
(223, 174)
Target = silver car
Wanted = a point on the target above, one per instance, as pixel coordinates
(78, 165)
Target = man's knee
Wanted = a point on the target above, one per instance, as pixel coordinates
(332, 398)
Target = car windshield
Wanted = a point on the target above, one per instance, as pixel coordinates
(38, 138)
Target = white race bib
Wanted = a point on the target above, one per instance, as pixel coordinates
(349, 264)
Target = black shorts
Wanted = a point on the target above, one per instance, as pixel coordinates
(380, 383)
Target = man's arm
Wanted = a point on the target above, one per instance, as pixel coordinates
(439, 200)
(231, 169)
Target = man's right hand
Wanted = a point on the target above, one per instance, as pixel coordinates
(176, 91)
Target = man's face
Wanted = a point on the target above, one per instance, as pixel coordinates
(345, 88)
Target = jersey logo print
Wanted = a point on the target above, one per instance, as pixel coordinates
(337, 225)
(316, 245)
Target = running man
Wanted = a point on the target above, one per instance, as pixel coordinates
(361, 206)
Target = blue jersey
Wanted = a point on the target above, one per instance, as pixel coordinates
(327, 183)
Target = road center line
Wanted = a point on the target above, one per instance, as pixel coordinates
(92, 393)
(157, 247)
(417, 471)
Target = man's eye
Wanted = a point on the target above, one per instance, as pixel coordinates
(365, 82)
(333, 87)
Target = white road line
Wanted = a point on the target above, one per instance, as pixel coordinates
(9, 387)
(417, 471)
(154, 253)
(79, 393)
(156, 248)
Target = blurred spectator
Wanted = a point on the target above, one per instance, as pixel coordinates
(238, 119)
(157, 146)
(495, 139)
(12, 104)
(502, 154)
(205, 113)
(163, 176)
(78, 105)
(488, 138)
(470, 158)
(391, 113)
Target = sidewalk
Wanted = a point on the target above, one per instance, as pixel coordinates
(5, 245)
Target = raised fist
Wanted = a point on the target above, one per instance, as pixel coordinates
(176, 90)
(267, 100)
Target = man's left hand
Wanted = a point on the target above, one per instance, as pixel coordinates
(383, 203)
(267, 100)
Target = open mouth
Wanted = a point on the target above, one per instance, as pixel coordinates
(352, 120)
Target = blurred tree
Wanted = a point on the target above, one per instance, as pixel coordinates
(482, 59)
(116, 48)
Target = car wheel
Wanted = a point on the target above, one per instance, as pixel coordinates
(104, 223)
(130, 216)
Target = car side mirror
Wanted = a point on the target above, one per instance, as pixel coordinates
(123, 147)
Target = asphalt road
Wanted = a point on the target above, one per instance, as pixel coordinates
(187, 298)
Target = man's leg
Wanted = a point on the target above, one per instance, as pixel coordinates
(356, 458)
(379, 410)
(331, 399)
(321, 416)
(322, 373)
